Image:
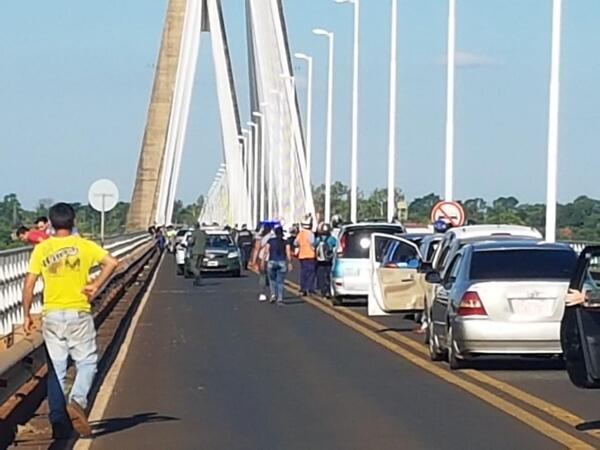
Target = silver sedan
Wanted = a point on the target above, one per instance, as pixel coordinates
(504, 297)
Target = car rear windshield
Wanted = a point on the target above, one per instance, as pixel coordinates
(355, 242)
(219, 241)
(523, 264)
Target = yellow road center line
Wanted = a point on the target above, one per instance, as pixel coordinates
(498, 402)
(553, 410)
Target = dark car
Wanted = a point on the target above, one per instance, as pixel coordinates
(221, 254)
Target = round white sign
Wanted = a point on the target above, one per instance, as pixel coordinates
(103, 195)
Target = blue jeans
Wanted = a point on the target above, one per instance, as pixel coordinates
(69, 334)
(308, 274)
(277, 271)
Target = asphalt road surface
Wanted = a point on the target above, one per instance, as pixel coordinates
(212, 368)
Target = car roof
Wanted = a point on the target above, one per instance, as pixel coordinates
(411, 236)
(498, 238)
(491, 230)
(359, 225)
(218, 232)
(518, 244)
(433, 237)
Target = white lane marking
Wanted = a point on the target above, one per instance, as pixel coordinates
(108, 385)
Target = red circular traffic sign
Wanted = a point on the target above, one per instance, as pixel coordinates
(451, 212)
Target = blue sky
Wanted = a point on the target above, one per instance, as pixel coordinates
(76, 82)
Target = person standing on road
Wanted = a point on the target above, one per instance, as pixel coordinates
(260, 258)
(280, 263)
(64, 262)
(244, 243)
(306, 254)
(325, 245)
(198, 248)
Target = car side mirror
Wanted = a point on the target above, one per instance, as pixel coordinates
(433, 278)
(425, 267)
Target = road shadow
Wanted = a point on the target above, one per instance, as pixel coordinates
(116, 424)
(403, 329)
(588, 426)
(516, 364)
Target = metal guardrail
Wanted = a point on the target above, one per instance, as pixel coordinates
(13, 268)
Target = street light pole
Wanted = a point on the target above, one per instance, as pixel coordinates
(254, 127)
(290, 78)
(245, 177)
(392, 115)
(553, 123)
(330, 36)
(309, 68)
(263, 176)
(354, 157)
(449, 178)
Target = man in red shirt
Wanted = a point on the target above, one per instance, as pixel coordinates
(32, 237)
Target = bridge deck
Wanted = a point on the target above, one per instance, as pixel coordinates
(212, 368)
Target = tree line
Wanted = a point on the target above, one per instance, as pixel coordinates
(576, 220)
(13, 215)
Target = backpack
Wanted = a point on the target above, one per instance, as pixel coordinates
(324, 251)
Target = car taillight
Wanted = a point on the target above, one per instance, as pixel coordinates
(343, 240)
(470, 305)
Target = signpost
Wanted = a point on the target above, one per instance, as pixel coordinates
(103, 196)
(448, 211)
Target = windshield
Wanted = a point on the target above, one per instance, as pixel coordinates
(219, 241)
(523, 264)
(355, 242)
(399, 254)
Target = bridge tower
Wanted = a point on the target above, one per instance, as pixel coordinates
(145, 192)
(272, 97)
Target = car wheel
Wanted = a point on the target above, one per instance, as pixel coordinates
(454, 362)
(237, 273)
(435, 353)
(336, 300)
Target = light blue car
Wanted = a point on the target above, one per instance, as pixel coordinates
(350, 273)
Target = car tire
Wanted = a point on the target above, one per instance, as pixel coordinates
(336, 300)
(236, 273)
(454, 362)
(435, 353)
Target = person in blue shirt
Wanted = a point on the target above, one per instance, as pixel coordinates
(280, 263)
(324, 244)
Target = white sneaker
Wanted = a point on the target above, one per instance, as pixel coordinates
(262, 298)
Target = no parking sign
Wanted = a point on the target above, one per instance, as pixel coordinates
(451, 212)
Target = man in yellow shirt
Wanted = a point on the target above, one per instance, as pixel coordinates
(64, 262)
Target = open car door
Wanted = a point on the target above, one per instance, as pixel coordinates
(395, 285)
(580, 327)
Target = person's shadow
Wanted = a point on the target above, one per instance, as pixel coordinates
(116, 424)
(588, 426)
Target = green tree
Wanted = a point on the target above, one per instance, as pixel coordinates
(419, 210)
(475, 210)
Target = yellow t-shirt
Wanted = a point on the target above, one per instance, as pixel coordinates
(64, 263)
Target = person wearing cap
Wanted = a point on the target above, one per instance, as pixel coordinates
(307, 256)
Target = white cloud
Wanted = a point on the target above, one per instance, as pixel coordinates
(472, 60)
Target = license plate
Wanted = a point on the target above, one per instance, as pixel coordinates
(350, 272)
(212, 263)
(532, 307)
